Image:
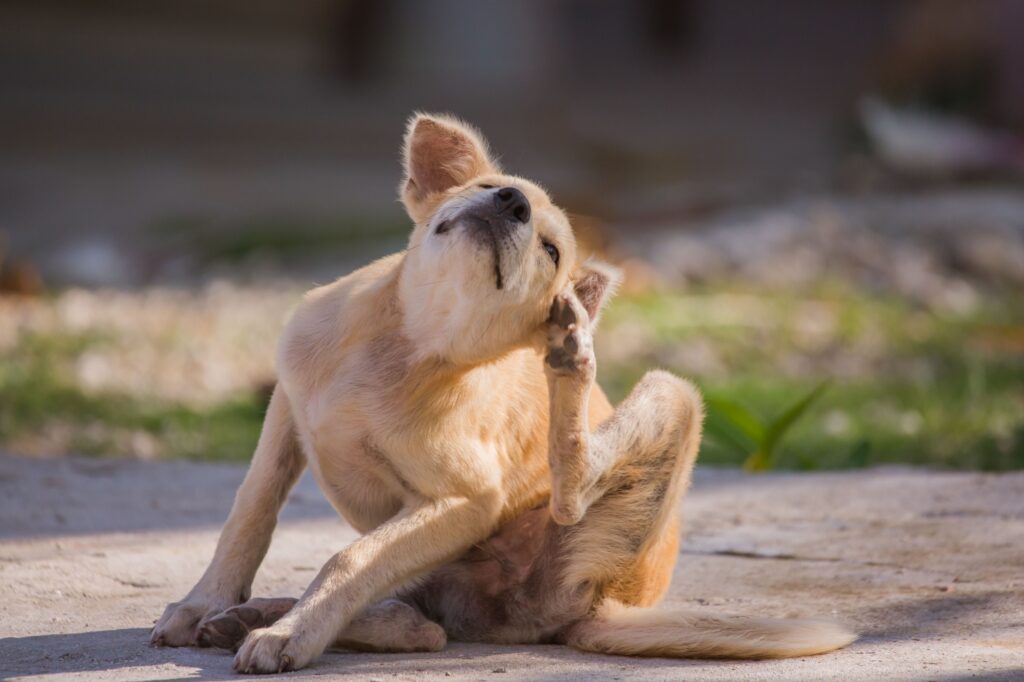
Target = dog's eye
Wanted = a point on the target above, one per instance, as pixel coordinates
(486, 186)
(552, 251)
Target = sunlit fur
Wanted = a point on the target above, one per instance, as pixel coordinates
(447, 282)
(415, 389)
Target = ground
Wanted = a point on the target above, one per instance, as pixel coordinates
(926, 565)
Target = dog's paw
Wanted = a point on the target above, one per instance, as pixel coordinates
(179, 626)
(228, 629)
(569, 340)
(275, 649)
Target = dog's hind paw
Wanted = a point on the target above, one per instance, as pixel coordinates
(569, 340)
(179, 624)
(228, 629)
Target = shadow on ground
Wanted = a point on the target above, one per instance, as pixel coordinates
(924, 564)
(86, 652)
(73, 496)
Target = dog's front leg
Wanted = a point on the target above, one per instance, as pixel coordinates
(275, 468)
(422, 537)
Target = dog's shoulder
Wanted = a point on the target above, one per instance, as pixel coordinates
(334, 318)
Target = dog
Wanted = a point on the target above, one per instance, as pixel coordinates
(445, 400)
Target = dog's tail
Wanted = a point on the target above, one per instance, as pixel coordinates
(632, 631)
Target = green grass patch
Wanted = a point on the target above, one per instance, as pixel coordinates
(41, 404)
(907, 385)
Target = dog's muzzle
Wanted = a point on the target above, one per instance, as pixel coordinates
(493, 224)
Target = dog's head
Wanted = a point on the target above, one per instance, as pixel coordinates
(489, 251)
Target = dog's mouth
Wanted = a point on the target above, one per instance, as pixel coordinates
(482, 230)
(498, 280)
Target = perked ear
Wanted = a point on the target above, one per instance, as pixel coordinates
(595, 283)
(440, 152)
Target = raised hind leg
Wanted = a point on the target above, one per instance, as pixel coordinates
(612, 527)
(617, 492)
(618, 487)
(636, 470)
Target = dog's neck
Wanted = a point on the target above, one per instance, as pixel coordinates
(445, 328)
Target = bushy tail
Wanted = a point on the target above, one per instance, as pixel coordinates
(632, 631)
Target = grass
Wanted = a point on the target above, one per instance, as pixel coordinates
(905, 384)
(41, 404)
(732, 424)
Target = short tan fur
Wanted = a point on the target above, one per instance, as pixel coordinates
(444, 399)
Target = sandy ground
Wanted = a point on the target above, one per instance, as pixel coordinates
(928, 566)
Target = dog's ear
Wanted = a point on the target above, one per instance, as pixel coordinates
(440, 152)
(595, 283)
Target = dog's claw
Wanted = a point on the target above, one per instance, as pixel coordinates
(570, 347)
(568, 316)
(562, 313)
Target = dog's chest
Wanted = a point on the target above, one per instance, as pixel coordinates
(375, 452)
(381, 435)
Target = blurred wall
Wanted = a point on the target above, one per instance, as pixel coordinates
(118, 115)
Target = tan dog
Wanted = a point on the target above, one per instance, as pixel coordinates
(441, 396)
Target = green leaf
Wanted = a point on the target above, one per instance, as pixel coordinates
(724, 433)
(858, 454)
(758, 460)
(739, 416)
(780, 425)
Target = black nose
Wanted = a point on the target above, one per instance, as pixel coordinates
(512, 201)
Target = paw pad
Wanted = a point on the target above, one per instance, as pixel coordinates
(570, 346)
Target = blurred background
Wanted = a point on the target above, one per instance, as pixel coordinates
(818, 205)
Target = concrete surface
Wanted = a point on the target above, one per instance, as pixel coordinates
(928, 566)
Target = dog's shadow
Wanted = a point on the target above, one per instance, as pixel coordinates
(107, 651)
(125, 654)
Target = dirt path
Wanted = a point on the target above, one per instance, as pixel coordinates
(928, 566)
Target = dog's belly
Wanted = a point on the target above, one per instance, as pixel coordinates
(507, 588)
